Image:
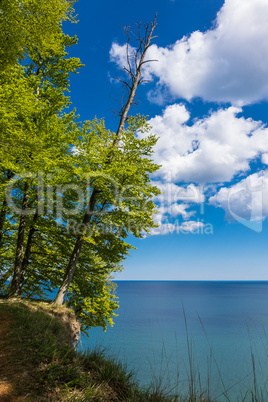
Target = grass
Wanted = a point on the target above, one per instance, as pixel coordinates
(41, 349)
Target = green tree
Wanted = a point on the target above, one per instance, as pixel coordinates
(34, 74)
(116, 161)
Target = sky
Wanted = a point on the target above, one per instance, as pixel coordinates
(207, 101)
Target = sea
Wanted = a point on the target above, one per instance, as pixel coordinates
(211, 336)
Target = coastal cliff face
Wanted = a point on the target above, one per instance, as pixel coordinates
(65, 315)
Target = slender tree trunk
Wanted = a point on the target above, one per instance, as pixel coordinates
(2, 219)
(75, 254)
(20, 262)
(4, 211)
(14, 288)
(136, 80)
(28, 250)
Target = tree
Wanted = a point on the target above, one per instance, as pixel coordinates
(34, 74)
(115, 158)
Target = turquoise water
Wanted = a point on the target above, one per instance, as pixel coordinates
(226, 321)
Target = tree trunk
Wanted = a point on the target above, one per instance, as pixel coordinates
(69, 272)
(2, 220)
(14, 288)
(59, 299)
(28, 250)
(136, 80)
(18, 274)
(4, 211)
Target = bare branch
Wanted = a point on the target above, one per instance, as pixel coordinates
(123, 82)
(148, 61)
(141, 81)
(139, 56)
(129, 72)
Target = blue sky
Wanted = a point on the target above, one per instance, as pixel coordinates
(207, 102)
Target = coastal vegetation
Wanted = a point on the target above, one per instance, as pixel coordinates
(42, 364)
(71, 191)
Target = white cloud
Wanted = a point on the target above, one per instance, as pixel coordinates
(175, 210)
(264, 159)
(118, 54)
(179, 210)
(171, 193)
(247, 199)
(228, 63)
(174, 214)
(212, 150)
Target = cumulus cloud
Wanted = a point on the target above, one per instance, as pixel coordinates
(171, 193)
(264, 159)
(176, 206)
(247, 199)
(174, 210)
(118, 54)
(212, 150)
(228, 63)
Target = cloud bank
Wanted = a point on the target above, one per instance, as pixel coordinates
(212, 150)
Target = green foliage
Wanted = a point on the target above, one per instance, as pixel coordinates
(28, 25)
(123, 207)
(34, 78)
(63, 161)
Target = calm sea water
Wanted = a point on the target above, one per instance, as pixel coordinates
(226, 322)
